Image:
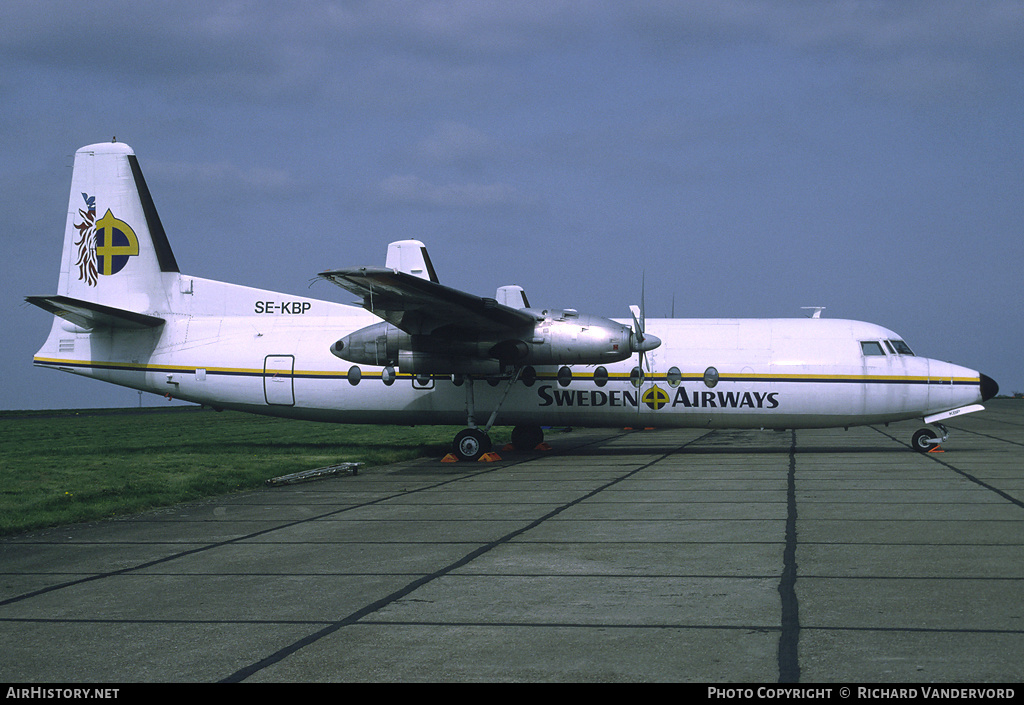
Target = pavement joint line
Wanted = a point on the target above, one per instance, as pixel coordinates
(789, 640)
(963, 473)
(944, 562)
(359, 615)
(228, 542)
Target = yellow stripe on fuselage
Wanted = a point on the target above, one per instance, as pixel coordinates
(619, 376)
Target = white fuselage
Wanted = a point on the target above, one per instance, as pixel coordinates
(258, 351)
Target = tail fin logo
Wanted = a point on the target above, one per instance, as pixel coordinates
(104, 245)
(85, 243)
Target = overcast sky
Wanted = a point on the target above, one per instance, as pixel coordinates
(744, 158)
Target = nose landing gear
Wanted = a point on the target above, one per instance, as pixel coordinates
(927, 440)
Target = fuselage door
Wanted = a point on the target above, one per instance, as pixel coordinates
(278, 385)
(880, 393)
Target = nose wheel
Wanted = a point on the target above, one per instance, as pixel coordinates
(927, 439)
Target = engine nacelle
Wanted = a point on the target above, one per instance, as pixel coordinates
(558, 338)
(425, 363)
(374, 345)
(574, 339)
(385, 345)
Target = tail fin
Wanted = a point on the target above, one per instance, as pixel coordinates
(115, 249)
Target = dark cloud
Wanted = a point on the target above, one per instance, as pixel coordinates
(744, 157)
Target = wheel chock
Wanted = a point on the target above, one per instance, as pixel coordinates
(488, 458)
(543, 446)
(936, 449)
(450, 458)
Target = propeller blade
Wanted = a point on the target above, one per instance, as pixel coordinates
(638, 326)
(639, 340)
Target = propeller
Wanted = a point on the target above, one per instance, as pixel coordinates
(640, 341)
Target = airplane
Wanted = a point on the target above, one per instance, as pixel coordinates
(413, 351)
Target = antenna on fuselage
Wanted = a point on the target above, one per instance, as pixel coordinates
(816, 309)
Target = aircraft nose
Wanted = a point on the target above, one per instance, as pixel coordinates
(989, 388)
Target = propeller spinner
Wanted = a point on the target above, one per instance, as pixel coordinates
(640, 341)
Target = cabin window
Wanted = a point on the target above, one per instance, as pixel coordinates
(636, 376)
(674, 377)
(601, 376)
(354, 375)
(872, 347)
(711, 376)
(901, 347)
(564, 376)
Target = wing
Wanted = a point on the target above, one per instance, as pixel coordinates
(420, 306)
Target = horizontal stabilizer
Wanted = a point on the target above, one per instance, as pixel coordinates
(86, 314)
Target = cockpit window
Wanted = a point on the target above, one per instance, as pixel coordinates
(871, 347)
(901, 347)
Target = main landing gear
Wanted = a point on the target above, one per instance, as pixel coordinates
(471, 443)
(928, 439)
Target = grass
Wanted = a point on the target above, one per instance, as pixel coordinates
(66, 467)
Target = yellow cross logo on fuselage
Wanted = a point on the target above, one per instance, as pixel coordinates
(115, 243)
(655, 397)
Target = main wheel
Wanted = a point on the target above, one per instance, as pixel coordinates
(470, 444)
(527, 437)
(922, 440)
